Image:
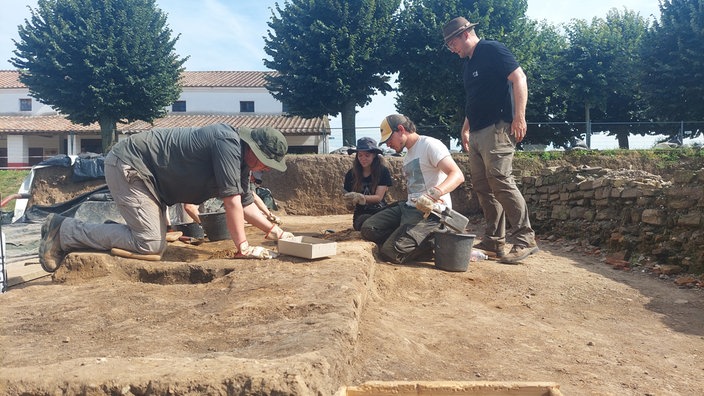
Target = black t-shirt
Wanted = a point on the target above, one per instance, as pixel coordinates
(487, 89)
(189, 165)
(384, 180)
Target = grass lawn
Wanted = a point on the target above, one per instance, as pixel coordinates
(10, 182)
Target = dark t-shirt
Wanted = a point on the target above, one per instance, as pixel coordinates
(487, 89)
(384, 180)
(189, 165)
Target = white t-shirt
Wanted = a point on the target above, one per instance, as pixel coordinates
(420, 166)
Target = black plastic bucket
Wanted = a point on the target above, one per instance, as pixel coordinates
(215, 226)
(453, 251)
(189, 229)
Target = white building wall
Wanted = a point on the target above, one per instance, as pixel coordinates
(198, 100)
(318, 141)
(219, 100)
(10, 103)
(227, 100)
(50, 144)
(73, 144)
(16, 150)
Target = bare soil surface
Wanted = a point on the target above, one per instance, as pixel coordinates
(199, 322)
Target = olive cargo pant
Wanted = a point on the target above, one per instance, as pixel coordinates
(401, 232)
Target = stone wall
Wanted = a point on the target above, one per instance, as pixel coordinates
(634, 204)
(632, 212)
(626, 210)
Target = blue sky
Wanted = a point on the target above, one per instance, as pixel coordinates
(228, 35)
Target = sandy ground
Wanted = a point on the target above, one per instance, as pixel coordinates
(200, 323)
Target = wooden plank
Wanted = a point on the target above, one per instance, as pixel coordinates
(24, 270)
(452, 388)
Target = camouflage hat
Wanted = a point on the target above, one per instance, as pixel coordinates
(268, 144)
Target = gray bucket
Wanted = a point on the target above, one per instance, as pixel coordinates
(215, 225)
(453, 251)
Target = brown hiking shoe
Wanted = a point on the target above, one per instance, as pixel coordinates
(492, 249)
(518, 253)
(50, 253)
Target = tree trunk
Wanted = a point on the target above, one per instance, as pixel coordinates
(588, 128)
(349, 113)
(622, 138)
(108, 133)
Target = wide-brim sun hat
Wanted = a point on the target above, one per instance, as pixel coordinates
(268, 145)
(365, 144)
(455, 27)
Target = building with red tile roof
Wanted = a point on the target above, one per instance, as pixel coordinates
(31, 131)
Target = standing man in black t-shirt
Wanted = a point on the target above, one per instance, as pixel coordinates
(496, 95)
(152, 170)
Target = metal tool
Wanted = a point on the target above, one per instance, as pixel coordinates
(452, 219)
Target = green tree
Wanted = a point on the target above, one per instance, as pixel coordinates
(429, 79)
(104, 61)
(673, 63)
(597, 71)
(331, 56)
(584, 68)
(625, 101)
(545, 103)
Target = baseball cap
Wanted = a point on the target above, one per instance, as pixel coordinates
(389, 125)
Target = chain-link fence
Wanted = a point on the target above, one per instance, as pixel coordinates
(565, 134)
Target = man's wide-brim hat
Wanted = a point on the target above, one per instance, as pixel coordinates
(365, 144)
(268, 144)
(455, 27)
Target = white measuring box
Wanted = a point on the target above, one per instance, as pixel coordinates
(307, 247)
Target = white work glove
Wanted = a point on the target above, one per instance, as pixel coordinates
(274, 218)
(427, 201)
(349, 201)
(276, 233)
(355, 198)
(425, 204)
(245, 251)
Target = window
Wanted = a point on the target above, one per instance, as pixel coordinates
(179, 106)
(91, 146)
(35, 155)
(25, 104)
(246, 107)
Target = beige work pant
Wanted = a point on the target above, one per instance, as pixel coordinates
(145, 217)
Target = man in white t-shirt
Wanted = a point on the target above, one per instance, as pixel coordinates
(402, 231)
